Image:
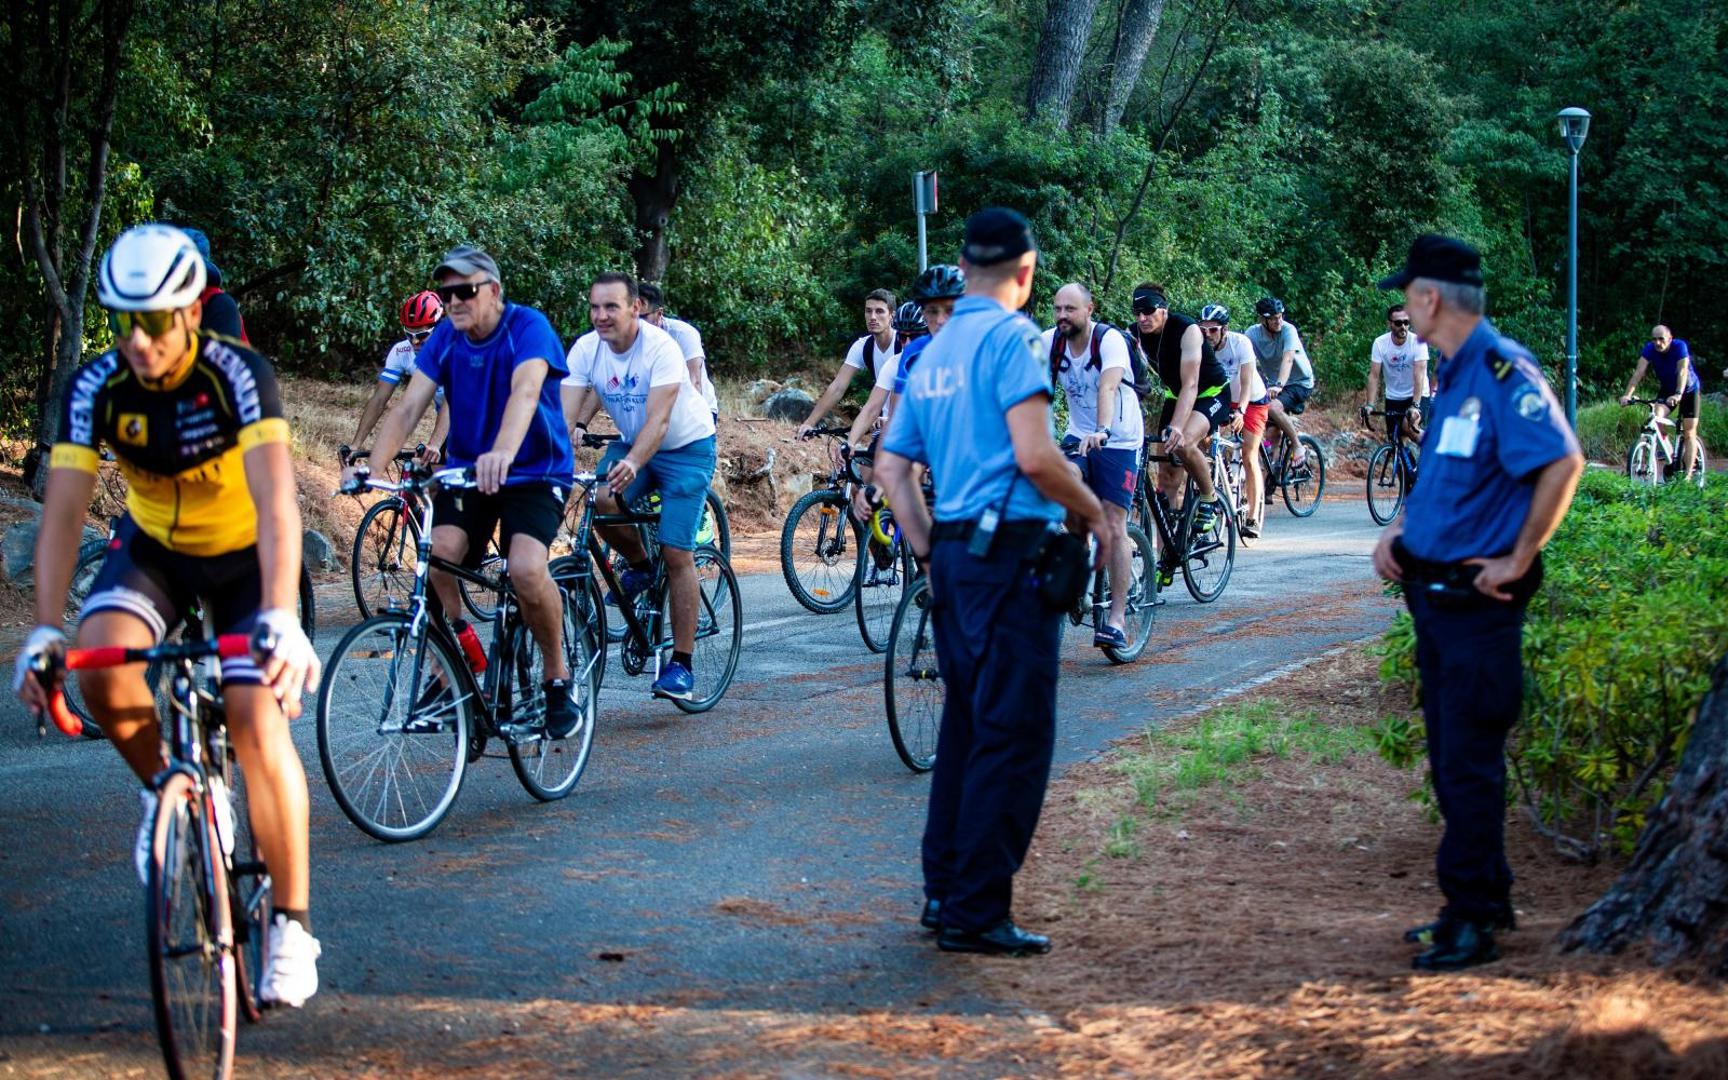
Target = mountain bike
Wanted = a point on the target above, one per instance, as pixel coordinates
(386, 546)
(207, 893)
(1391, 469)
(713, 530)
(1207, 556)
(402, 710)
(912, 687)
(814, 559)
(1303, 486)
(1650, 458)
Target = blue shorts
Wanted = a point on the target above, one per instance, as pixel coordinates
(1111, 474)
(682, 477)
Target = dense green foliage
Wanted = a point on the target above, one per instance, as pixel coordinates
(333, 149)
(1618, 649)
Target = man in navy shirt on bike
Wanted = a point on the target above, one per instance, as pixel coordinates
(1678, 386)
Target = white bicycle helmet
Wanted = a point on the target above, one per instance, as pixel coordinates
(150, 268)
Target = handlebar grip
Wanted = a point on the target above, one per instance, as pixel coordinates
(104, 657)
(62, 716)
(233, 646)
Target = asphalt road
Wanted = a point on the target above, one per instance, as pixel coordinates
(761, 857)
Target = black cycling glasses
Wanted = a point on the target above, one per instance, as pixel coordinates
(468, 290)
(153, 323)
(1399, 322)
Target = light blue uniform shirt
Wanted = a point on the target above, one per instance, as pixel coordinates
(954, 415)
(1496, 424)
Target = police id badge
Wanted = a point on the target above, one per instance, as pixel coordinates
(1458, 434)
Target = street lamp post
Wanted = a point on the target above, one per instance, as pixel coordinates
(1574, 126)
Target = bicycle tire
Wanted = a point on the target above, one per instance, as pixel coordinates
(874, 602)
(591, 606)
(721, 524)
(308, 600)
(1142, 608)
(194, 984)
(1298, 499)
(549, 768)
(375, 660)
(1701, 467)
(912, 688)
(250, 893)
(1209, 560)
(813, 557)
(384, 557)
(90, 558)
(1385, 482)
(719, 630)
(482, 603)
(1641, 464)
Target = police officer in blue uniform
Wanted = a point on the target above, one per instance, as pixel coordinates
(1499, 466)
(977, 412)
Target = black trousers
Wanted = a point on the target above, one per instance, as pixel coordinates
(997, 648)
(1472, 666)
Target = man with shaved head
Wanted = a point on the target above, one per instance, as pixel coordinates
(1090, 362)
(1679, 388)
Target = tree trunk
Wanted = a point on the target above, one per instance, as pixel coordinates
(1056, 67)
(1136, 29)
(655, 197)
(1675, 892)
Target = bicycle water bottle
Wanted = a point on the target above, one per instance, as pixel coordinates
(471, 647)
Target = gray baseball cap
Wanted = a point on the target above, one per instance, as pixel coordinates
(466, 259)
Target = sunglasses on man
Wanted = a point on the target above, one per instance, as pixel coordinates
(153, 323)
(415, 337)
(467, 290)
(1399, 322)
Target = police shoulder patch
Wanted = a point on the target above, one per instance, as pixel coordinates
(1529, 402)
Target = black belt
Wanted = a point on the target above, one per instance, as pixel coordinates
(1012, 532)
(1454, 583)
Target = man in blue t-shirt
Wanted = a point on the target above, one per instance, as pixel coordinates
(977, 412)
(1679, 388)
(499, 365)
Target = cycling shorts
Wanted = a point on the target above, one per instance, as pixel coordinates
(1688, 409)
(1254, 417)
(682, 477)
(1215, 409)
(143, 578)
(1111, 474)
(1295, 399)
(1396, 410)
(533, 510)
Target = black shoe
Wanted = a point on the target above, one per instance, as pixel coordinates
(1458, 944)
(562, 716)
(1003, 939)
(1424, 934)
(931, 919)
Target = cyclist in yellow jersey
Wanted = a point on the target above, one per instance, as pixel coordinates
(196, 423)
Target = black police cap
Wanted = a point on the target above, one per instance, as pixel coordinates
(995, 235)
(1438, 258)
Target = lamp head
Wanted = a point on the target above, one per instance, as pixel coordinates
(1574, 126)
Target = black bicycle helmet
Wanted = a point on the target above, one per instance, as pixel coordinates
(909, 319)
(1217, 313)
(943, 281)
(1268, 305)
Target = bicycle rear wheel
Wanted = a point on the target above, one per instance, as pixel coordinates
(1641, 465)
(912, 687)
(1305, 486)
(716, 527)
(877, 596)
(1385, 485)
(719, 631)
(1142, 598)
(385, 556)
(194, 984)
(1211, 554)
(393, 724)
(813, 552)
(482, 603)
(549, 768)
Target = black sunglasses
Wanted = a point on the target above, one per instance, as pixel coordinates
(1400, 322)
(468, 290)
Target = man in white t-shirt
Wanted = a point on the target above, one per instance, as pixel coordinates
(866, 354)
(1402, 359)
(419, 315)
(1248, 405)
(665, 443)
(689, 339)
(1089, 361)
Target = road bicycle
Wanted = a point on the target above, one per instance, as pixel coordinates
(404, 709)
(1206, 556)
(207, 892)
(1391, 469)
(1650, 458)
(814, 559)
(647, 637)
(912, 687)
(1092, 609)
(1302, 486)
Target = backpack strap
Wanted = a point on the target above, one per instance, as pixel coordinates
(1099, 329)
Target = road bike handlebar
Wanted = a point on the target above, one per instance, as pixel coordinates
(832, 432)
(48, 671)
(595, 441)
(462, 477)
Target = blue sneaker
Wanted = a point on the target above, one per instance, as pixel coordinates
(633, 582)
(1109, 637)
(676, 683)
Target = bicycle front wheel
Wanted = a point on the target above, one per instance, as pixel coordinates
(386, 553)
(1305, 486)
(1142, 604)
(719, 631)
(1211, 554)
(877, 596)
(1641, 464)
(912, 687)
(393, 723)
(814, 559)
(1385, 485)
(193, 981)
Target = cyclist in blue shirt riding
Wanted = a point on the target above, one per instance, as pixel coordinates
(1678, 388)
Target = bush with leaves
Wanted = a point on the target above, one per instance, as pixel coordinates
(1607, 430)
(1618, 649)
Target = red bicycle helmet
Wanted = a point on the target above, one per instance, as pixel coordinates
(421, 311)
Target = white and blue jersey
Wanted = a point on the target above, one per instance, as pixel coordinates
(1496, 424)
(954, 415)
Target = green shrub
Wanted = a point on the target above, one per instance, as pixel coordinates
(1606, 430)
(1618, 650)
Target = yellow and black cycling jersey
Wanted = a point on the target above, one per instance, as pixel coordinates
(180, 446)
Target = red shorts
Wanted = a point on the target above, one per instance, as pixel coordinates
(1254, 419)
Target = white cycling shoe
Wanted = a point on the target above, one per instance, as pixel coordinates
(291, 971)
(147, 800)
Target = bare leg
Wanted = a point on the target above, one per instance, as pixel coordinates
(450, 543)
(1251, 478)
(1121, 563)
(1286, 427)
(275, 789)
(1688, 444)
(686, 596)
(540, 602)
(118, 697)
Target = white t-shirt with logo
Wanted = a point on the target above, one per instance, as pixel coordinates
(689, 341)
(623, 380)
(1234, 351)
(1080, 383)
(855, 355)
(1398, 363)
